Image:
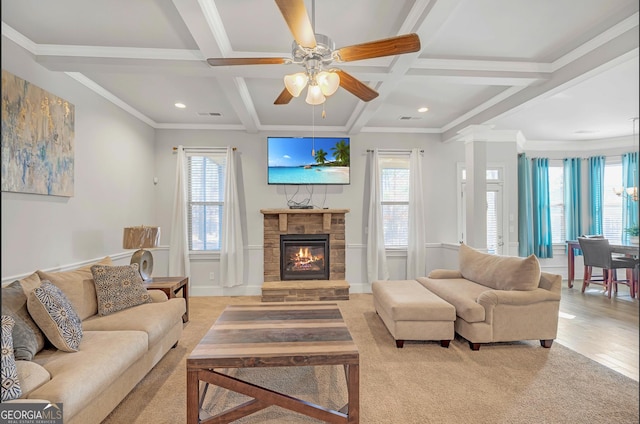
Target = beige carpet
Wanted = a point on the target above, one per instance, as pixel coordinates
(421, 383)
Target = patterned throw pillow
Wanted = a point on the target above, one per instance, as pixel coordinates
(10, 384)
(27, 337)
(55, 316)
(118, 288)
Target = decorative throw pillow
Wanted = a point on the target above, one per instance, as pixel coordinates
(118, 288)
(27, 337)
(10, 384)
(53, 313)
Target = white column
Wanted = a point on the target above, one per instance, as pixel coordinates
(476, 193)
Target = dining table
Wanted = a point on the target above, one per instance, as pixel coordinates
(623, 248)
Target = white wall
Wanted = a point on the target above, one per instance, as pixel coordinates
(439, 161)
(114, 167)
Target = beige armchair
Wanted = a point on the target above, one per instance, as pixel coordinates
(499, 298)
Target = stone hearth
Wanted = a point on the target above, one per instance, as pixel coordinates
(304, 221)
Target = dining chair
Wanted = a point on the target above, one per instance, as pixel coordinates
(597, 253)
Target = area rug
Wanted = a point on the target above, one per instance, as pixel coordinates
(422, 383)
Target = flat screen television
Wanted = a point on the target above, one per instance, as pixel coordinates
(308, 160)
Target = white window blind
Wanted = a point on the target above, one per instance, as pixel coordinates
(394, 194)
(492, 222)
(556, 202)
(612, 204)
(205, 199)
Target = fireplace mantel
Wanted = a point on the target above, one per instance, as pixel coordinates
(283, 213)
(290, 211)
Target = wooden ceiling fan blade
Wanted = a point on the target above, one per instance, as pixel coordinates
(356, 87)
(297, 18)
(401, 44)
(230, 61)
(284, 98)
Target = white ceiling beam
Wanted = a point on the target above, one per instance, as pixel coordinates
(425, 18)
(602, 58)
(207, 29)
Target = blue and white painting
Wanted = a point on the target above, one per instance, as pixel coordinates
(37, 139)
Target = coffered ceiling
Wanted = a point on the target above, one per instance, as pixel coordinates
(556, 70)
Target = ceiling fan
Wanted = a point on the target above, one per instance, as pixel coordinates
(316, 52)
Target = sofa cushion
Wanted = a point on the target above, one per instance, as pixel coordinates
(55, 316)
(27, 337)
(155, 319)
(78, 379)
(445, 273)
(31, 376)
(9, 374)
(78, 286)
(459, 292)
(118, 288)
(499, 272)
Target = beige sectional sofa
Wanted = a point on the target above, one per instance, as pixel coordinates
(115, 352)
(496, 299)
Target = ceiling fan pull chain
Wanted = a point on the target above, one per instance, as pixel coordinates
(313, 130)
(324, 114)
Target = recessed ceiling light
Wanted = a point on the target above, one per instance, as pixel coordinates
(423, 109)
(180, 105)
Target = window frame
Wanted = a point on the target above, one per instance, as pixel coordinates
(217, 157)
(608, 194)
(558, 163)
(402, 160)
(608, 189)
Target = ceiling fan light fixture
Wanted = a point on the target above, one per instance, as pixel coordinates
(316, 52)
(328, 82)
(295, 83)
(314, 95)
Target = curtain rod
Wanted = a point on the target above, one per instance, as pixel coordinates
(174, 148)
(393, 150)
(575, 157)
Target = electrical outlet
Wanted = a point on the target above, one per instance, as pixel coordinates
(211, 276)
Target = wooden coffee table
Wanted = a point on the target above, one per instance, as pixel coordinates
(273, 335)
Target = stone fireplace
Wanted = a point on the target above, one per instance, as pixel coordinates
(297, 239)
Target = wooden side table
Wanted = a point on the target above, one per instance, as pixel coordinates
(171, 286)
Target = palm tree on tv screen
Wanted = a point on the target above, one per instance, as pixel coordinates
(341, 153)
(321, 156)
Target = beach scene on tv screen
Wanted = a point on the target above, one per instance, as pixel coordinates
(308, 160)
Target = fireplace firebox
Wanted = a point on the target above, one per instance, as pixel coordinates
(304, 257)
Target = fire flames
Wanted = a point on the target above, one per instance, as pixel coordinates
(304, 259)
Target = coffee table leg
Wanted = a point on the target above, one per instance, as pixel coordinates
(353, 388)
(193, 389)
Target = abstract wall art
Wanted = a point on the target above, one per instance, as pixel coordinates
(37, 139)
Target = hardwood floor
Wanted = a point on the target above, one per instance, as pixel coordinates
(603, 329)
